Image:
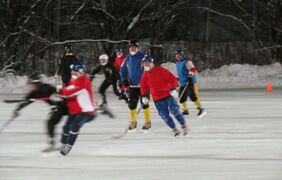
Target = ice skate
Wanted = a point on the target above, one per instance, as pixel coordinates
(185, 112)
(132, 126)
(66, 149)
(201, 112)
(176, 132)
(185, 131)
(146, 127)
(105, 110)
(48, 149)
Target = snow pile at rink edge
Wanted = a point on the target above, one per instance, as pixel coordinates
(226, 77)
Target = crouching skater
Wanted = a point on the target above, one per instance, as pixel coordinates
(80, 103)
(161, 84)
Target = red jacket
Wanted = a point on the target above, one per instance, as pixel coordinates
(119, 61)
(158, 82)
(79, 96)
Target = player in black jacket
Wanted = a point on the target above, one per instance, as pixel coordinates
(111, 76)
(64, 64)
(44, 91)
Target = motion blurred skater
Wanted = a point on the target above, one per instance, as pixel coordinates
(80, 103)
(45, 92)
(188, 82)
(162, 85)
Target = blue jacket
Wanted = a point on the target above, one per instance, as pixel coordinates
(183, 72)
(132, 69)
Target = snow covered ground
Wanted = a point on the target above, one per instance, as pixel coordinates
(239, 138)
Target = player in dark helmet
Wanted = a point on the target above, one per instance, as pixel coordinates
(80, 102)
(120, 56)
(64, 64)
(161, 84)
(130, 75)
(188, 82)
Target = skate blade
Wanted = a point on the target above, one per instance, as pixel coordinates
(203, 114)
(131, 130)
(117, 136)
(50, 154)
(148, 131)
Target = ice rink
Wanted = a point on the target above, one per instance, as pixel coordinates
(240, 138)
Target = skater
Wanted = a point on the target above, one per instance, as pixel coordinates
(187, 82)
(58, 110)
(130, 75)
(80, 103)
(64, 65)
(111, 77)
(120, 56)
(162, 85)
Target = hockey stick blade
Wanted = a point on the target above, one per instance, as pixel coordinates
(13, 101)
(118, 136)
(7, 123)
(21, 100)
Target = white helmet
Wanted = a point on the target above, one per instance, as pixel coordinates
(103, 58)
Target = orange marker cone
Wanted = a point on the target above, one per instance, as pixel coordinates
(269, 87)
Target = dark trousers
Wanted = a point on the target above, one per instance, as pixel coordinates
(104, 86)
(189, 91)
(72, 126)
(54, 118)
(134, 96)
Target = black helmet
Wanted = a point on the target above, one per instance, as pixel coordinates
(134, 43)
(68, 47)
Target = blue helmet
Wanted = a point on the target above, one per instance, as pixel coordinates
(179, 51)
(79, 67)
(118, 49)
(148, 59)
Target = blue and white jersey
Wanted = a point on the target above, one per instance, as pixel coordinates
(131, 68)
(183, 72)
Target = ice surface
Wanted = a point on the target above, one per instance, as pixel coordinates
(240, 138)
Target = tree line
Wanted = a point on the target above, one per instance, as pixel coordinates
(33, 32)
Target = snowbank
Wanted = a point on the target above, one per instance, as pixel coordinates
(226, 77)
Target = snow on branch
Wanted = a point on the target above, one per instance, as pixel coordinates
(269, 47)
(240, 21)
(102, 9)
(7, 68)
(78, 10)
(137, 17)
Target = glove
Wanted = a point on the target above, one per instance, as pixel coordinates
(145, 100)
(174, 93)
(190, 79)
(59, 88)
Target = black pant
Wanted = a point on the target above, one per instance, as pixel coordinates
(73, 125)
(134, 95)
(56, 115)
(104, 86)
(188, 91)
